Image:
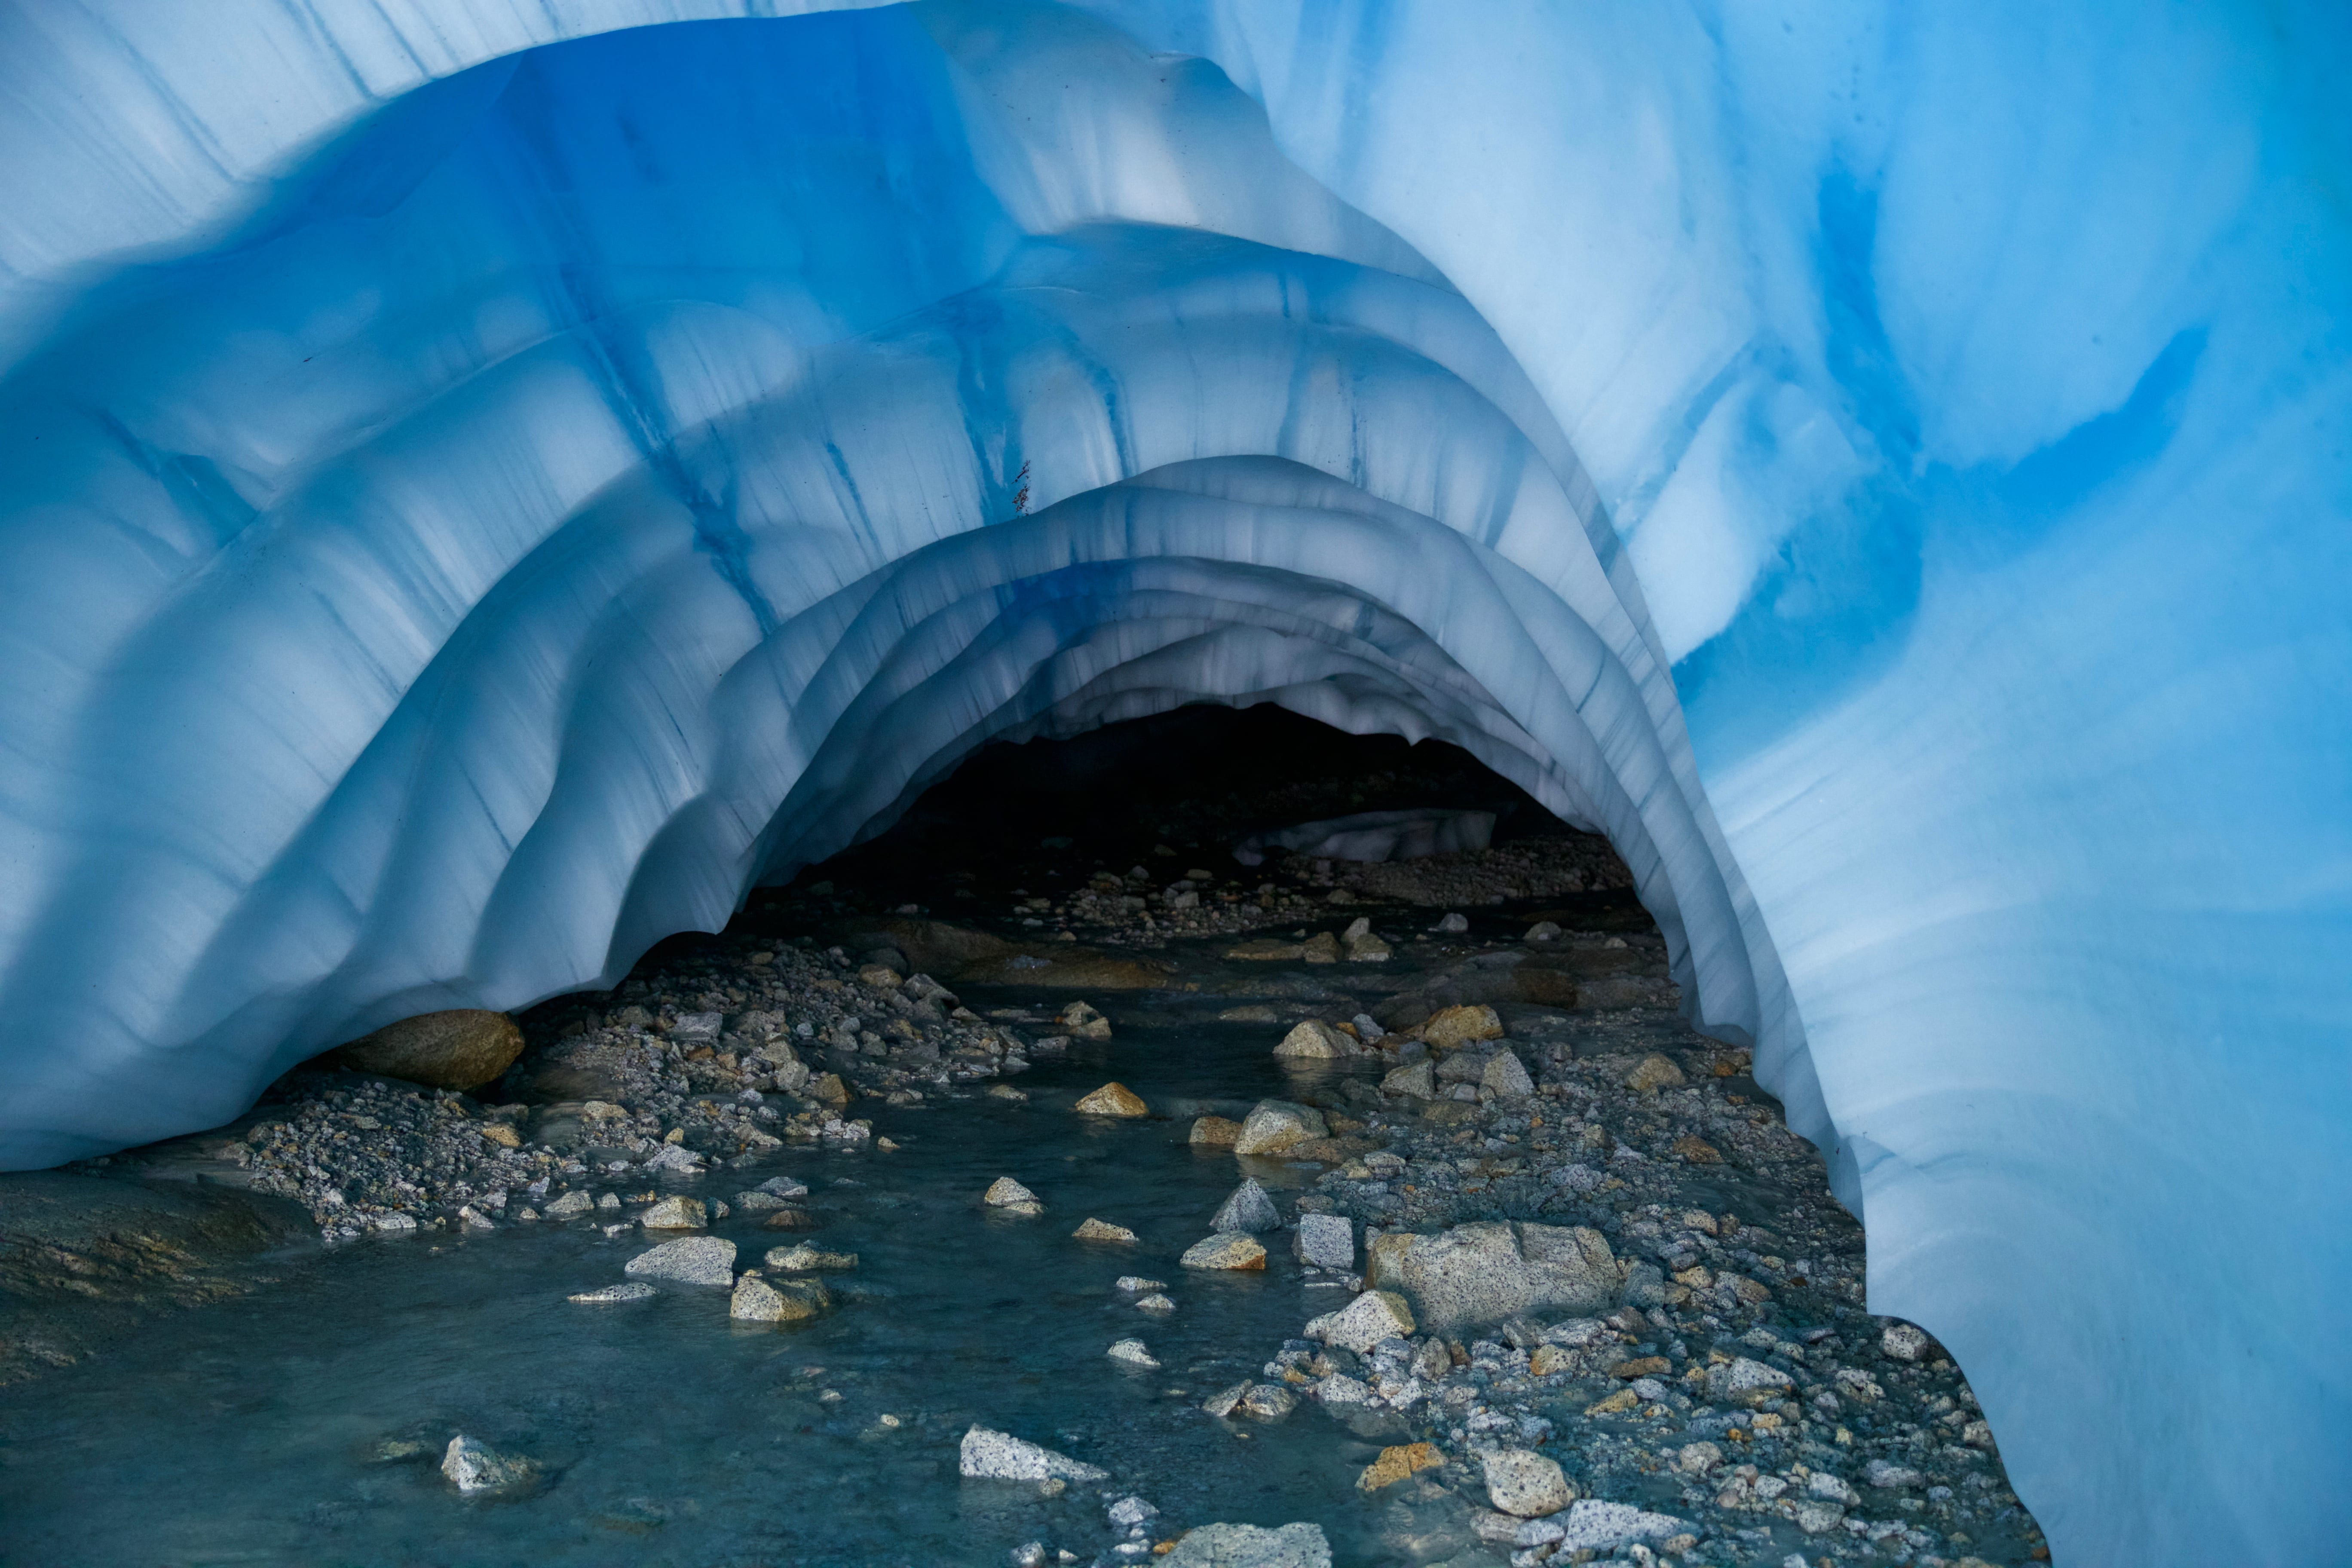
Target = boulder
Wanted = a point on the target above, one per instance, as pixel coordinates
(785, 1301)
(463, 1047)
(1524, 1484)
(1593, 1526)
(1082, 1021)
(474, 1466)
(1249, 1211)
(998, 1455)
(1374, 1316)
(674, 1214)
(1418, 1080)
(1486, 1272)
(1248, 1546)
(1114, 1100)
(1312, 1039)
(1215, 1133)
(1273, 1125)
(1652, 1073)
(1506, 1078)
(1398, 1462)
(1101, 1230)
(1325, 1240)
(1455, 1026)
(693, 1260)
(1004, 1193)
(1226, 1249)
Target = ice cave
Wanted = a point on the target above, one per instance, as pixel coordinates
(485, 487)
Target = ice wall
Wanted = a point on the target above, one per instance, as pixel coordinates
(480, 487)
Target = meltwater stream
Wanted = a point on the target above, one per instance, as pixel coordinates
(253, 1432)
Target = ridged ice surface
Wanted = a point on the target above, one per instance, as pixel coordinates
(480, 488)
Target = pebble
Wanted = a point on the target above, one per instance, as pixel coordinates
(1526, 1485)
(1132, 1352)
(1273, 1125)
(1224, 1250)
(1114, 1100)
(1324, 1240)
(786, 1302)
(692, 1260)
(1102, 1230)
(635, 1290)
(674, 1214)
(988, 1454)
(474, 1466)
(1249, 1212)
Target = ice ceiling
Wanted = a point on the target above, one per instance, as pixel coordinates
(482, 486)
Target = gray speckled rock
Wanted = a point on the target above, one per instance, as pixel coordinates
(1273, 1125)
(473, 1466)
(989, 1454)
(1248, 1546)
(1486, 1272)
(1248, 1212)
(1526, 1485)
(1605, 1526)
(1506, 1077)
(1325, 1240)
(634, 1290)
(691, 1260)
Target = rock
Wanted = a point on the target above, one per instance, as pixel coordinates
(1889, 1477)
(1374, 1316)
(1102, 1230)
(1506, 1078)
(1224, 1250)
(804, 1258)
(1543, 930)
(1273, 1125)
(1418, 1080)
(1320, 948)
(635, 1290)
(1267, 1401)
(502, 1134)
(1486, 1272)
(830, 1089)
(1156, 1303)
(1130, 1353)
(1325, 1240)
(790, 1219)
(1247, 1546)
(1815, 1517)
(1745, 1382)
(1136, 1285)
(1546, 1360)
(1452, 924)
(1697, 1458)
(1652, 1073)
(463, 1047)
(1455, 1026)
(1114, 1100)
(784, 1187)
(674, 1214)
(1083, 1021)
(1526, 1485)
(1697, 1150)
(1905, 1343)
(1312, 1039)
(474, 1466)
(997, 1456)
(1604, 1526)
(1248, 1212)
(1362, 946)
(1341, 1389)
(571, 1203)
(1266, 949)
(1832, 1488)
(1397, 1463)
(1215, 1133)
(1639, 1367)
(1004, 1193)
(1223, 1403)
(785, 1301)
(693, 1260)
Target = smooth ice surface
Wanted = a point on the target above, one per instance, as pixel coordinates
(480, 488)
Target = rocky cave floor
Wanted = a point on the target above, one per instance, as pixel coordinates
(1627, 1264)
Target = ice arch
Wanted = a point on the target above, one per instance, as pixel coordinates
(450, 484)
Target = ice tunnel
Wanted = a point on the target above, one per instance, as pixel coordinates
(482, 488)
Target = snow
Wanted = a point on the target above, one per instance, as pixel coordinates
(487, 500)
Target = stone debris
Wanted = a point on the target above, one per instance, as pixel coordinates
(474, 1467)
(1489, 1271)
(1506, 1079)
(988, 1454)
(1652, 1073)
(692, 1260)
(461, 1048)
(1228, 1250)
(1249, 1211)
(1593, 1526)
(1114, 1100)
(634, 1290)
(1101, 1230)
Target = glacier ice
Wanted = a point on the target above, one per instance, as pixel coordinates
(481, 487)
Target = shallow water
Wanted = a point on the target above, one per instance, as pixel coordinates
(247, 1432)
